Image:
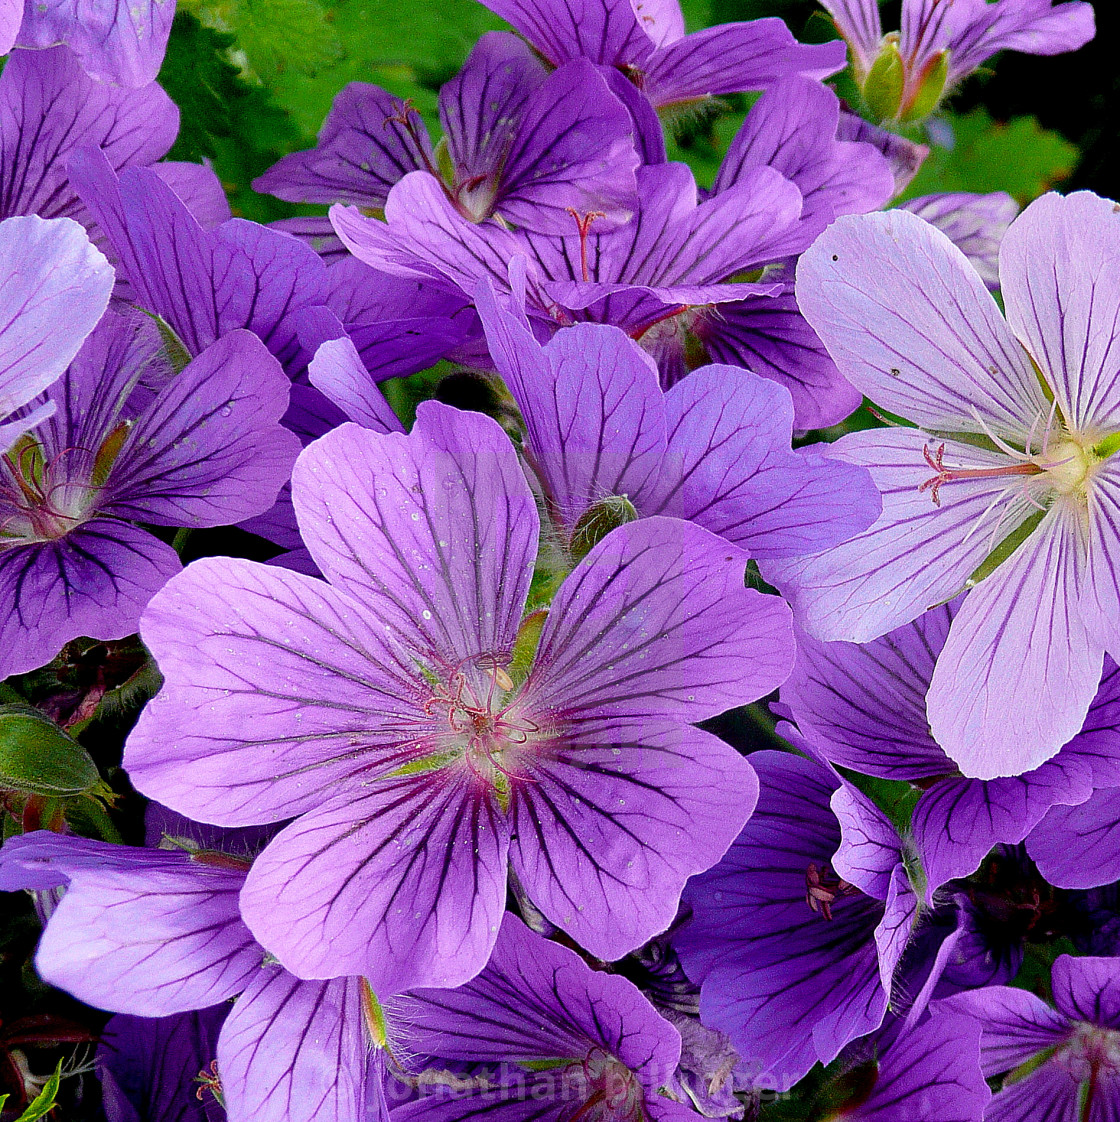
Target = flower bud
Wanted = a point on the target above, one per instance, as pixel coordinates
(39, 758)
(883, 87)
(929, 88)
(598, 521)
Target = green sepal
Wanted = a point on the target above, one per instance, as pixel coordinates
(1107, 447)
(598, 521)
(443, 162)
(931, 88)
(37, 757)
(882, 89)
(525, 646)
(1006, 548)
(44, 1102)
(173, 346)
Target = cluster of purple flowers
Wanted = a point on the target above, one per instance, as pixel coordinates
(436, 830)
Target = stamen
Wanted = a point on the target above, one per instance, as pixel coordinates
(823, 888)
(946, 475)
(583, 226)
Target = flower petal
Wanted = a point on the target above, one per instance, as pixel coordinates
(434, 533)
(404, 883)
(337, 370)
(655, 620)
(616, 816)
(1088, 989)
(1076, 846)
(911, 325)
(1018, 671)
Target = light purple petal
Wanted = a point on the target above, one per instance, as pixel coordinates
(792, 128)
(403, 882)
(900, 917)
(1057, 273)
(1100, 601)
(592, 408)
(916, 555)
(434, 533)
(904, 156)
(53, 288)
(272, 680)
(95, 582)
(146, 931)
(1018, 671)
(117, 44)
(1048, 1093)
(729, 467)
(911, 325)
(210, 450)
(616, 816)
(655, 620)
(337, 370)
(734, 57)
(11, 16)
(369, 141)
(870, 849)
(975, 224)
(293, 1051)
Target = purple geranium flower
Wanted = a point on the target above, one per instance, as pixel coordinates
(797, 933)
(943, 41)
(55, 286)
(206, 450)
(118, 44)
(1010, 486)
(162, 1069)
(383, 712)
(864, 707)
(714, 449)
(1075, 846)
(646, 42)
(523, 143)
(545, 1037)
(155, 933)
(1064, 1061)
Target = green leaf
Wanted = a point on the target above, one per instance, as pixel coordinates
(38, 758)
(44, 1101)
(1020, 157)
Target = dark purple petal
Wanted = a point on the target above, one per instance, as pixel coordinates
(142, 931)
(1088, 989)
(210, 450)
(368, 142)
(200, 189)
(402, 881)
(293, 1051)
(1079, 846)
(655, 620)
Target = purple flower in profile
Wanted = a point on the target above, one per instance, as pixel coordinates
(545, 1037)
(714, 449)
(117, 43)
(1010, 486)
(205, 450)
(864, 707)
(391, 713)
(796, 934)
(528, 145)
(155, 933)
(1064, 1061)
(55, 286)
(646, 42)
(943, 41)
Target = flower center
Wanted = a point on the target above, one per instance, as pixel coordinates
(606, 1090)
(1090, 1053)
(823, 888)
(41, 499)
(1067, 465)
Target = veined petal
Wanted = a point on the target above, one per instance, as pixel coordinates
(859, 23)
(403, 882)
(434, 533)
(94, 582)
(655, 620)
(210, 450)
(729, 466)
(1100, 593)
(1088, 989)
(338, 371)
(616, 816)
(54, 286)
(916, 555)
(1019, 670)
(911, 325)
(294, 1051)
(1057, 270)
(277, 689)
(145, 930)
(870, 849)
(1077, 846)
(369, 141)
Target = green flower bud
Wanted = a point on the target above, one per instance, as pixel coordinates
(39, 758)
(930, 88)
(883, 87)
(598, 521)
